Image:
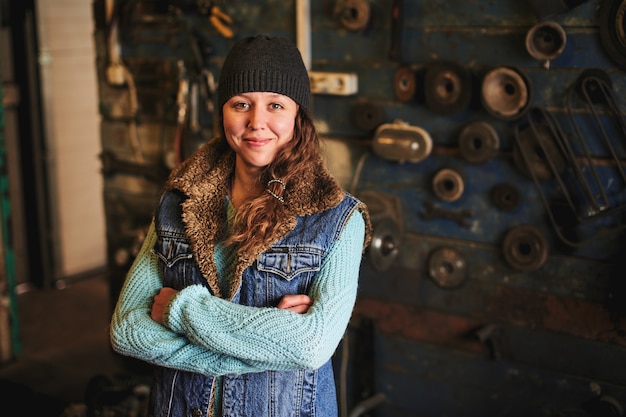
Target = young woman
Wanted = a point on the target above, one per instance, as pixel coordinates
(247, 278)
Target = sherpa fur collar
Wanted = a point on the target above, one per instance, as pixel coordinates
(204, 177)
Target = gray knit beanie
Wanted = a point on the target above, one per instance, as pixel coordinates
(264, 63)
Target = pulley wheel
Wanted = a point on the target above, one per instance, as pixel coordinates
(448, 184)
(545, 41)
(525, 248)
(447, 267)
(447, 88)
(505, 93)
(479, 142)
(367, 116)
(541, 152)
(404, 84)
(355, 14)
(384, 247)
(505, 196)
(613, 30)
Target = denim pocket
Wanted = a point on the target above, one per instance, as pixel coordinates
(177, 262)
(288, 261)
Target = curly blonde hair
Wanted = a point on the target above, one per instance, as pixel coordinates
(255, 220)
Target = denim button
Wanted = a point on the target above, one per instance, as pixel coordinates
(196, 412)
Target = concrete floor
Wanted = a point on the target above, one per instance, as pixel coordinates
(64, 350)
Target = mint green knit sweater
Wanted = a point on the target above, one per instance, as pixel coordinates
(213, 336)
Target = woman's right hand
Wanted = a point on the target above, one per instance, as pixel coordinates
(298, 303)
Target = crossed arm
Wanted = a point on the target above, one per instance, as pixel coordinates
(195, 331)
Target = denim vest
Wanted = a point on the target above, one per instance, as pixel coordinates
(288, 267)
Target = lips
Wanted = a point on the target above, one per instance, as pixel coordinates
(256, 141)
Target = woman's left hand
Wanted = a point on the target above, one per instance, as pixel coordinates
(298, 303)
(160, 302)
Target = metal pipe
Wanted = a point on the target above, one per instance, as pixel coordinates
(303, 31)
(368, 404)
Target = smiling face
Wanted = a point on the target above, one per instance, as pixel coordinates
(257, 125)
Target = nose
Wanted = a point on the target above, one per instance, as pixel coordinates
(257, 118)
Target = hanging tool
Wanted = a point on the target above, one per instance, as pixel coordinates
(117, 74)
(221, 21)
(432, 211)
(182, 101)
(397, 27)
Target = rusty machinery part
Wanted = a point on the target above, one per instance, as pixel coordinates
(367, 116)
(355, 14)
(447, 88)
(385, 245)
(612, 30)
(545, 9)
(506, 93)
(401, 142)
(448, 184)
(525, 248)
(505, 196)
(593, 84)
(546, 41)
(432, 211)
(536, 154)
(479, 142)
(397, 29)
(404, 84)
(447, 267)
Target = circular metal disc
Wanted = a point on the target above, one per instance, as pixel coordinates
(447, 88)
(479, 142)
(368, 116)
(384, 247)
(447, 267)
(404, 84)
(448, 184)
(355, 14)
(505, 196)
(505, 93)
(545, 40)
(525, 248)
(613, 30)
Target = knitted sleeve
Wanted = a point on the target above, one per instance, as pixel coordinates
(134, 333)
(271, 338)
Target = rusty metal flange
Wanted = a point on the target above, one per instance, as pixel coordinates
(525, 248)
(447, 267)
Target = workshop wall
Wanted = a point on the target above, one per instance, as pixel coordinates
(486, 137)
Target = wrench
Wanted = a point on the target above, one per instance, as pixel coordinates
(432, 211)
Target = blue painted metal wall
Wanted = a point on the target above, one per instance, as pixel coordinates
(508, 341)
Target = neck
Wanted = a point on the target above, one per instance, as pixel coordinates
(246, 185)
